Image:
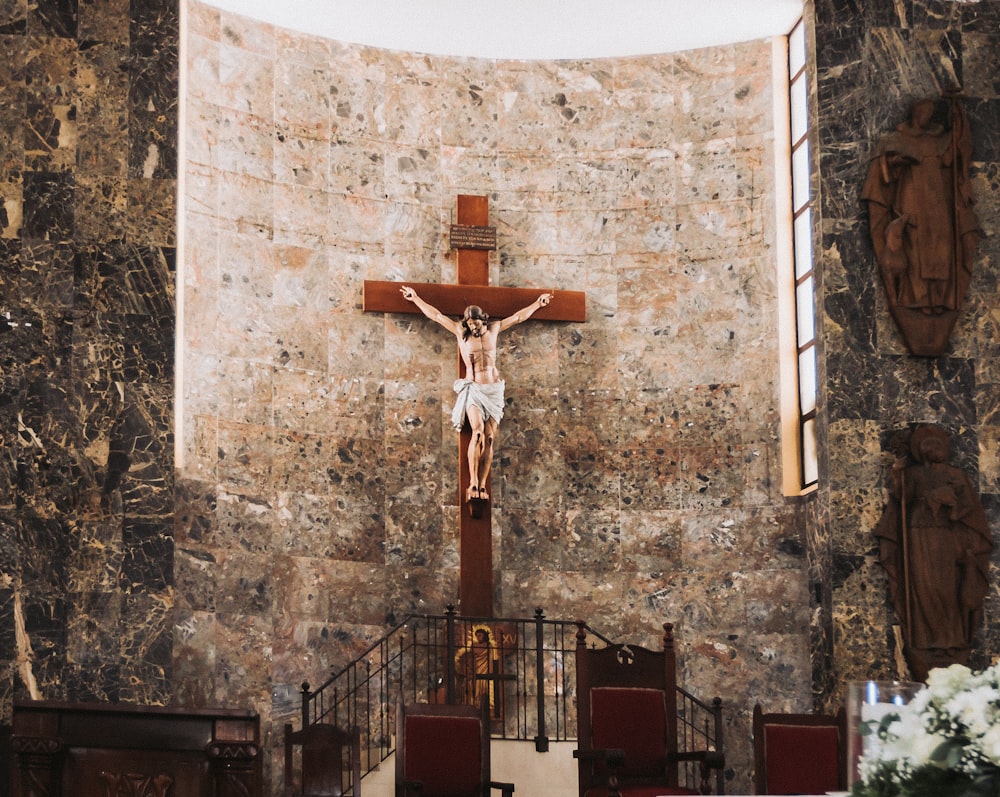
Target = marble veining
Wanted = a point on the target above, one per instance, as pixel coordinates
(86, 346)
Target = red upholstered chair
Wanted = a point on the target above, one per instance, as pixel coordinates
(638, 733)
(799, 753)
(444, 751)
(330, 765)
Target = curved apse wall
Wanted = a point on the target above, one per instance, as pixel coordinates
(525, 30)
(636, 476)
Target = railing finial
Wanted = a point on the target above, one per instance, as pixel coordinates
(305, 704)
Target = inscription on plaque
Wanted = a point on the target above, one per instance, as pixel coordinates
(465, 236)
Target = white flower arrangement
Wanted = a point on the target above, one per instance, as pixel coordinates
(944, 743)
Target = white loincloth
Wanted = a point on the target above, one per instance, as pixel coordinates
(488, 397)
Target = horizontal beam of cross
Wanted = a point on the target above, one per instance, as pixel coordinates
(497, 301)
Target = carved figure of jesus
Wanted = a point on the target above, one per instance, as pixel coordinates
(480, 398)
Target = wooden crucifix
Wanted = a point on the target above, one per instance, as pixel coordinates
(472, 238)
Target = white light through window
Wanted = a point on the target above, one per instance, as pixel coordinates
(805, 310)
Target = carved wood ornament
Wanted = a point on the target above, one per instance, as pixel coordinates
(934, 545)
(923, 229)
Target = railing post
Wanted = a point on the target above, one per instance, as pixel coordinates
(719, 745)
(355, 714)
(449, 661)
(542, 739)
(305, 704)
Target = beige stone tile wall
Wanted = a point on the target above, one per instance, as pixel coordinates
(636, 478)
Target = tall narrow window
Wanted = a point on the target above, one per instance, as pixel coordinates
(796, 275)
(802, 253)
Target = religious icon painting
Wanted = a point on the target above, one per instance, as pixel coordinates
(479, 664)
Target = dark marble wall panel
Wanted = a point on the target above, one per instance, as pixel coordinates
(872, 61)
(56, 18)
(88, 136)
(153, 70)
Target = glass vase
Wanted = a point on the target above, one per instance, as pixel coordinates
(869, 701)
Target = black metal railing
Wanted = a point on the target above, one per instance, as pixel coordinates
(526, 669)
(699, 727)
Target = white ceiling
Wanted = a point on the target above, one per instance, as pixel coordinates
(529, 29)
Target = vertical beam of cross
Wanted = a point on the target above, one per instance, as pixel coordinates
(475, 581)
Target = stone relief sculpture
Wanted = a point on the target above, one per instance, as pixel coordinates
(935, 545)
(922, 224)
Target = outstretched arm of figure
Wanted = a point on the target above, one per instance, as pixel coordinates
(525, 312)
(430, 310)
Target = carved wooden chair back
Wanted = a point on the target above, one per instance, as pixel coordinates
(799, 753)
(330, 764)
(627, 718)
(443, 750)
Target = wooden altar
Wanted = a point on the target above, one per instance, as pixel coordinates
(100, 750)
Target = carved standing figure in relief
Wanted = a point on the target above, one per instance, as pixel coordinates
(935, 545)
(480, 398)
(923, 228)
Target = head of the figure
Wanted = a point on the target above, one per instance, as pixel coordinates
(930, 444)
(474, 321)
(922, 112)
